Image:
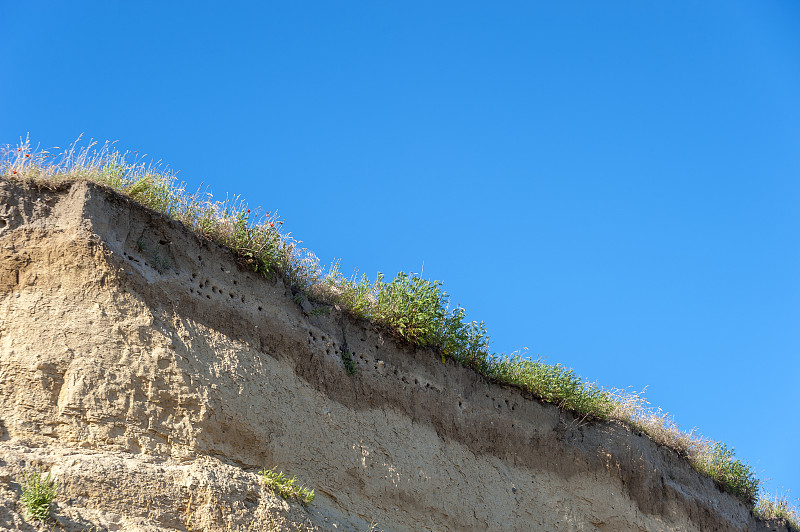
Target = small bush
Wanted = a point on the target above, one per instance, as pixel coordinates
(37, 494)
(286, 486)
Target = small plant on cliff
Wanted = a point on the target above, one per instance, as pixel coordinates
(287, 487)
(349, 363)
(38, 493)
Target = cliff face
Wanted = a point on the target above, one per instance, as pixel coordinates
(154, 378)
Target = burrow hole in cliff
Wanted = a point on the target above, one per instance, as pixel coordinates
(3, 224)
(260, 308)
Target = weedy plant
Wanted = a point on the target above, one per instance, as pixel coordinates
(38, 493)
(286, 487)
(410, 307)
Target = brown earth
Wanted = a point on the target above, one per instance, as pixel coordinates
(154, 378)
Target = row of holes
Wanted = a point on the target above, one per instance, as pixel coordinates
(215, 289)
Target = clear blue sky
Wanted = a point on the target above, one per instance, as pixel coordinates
(614, 185)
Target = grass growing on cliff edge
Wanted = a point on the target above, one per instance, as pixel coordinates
(412, 308)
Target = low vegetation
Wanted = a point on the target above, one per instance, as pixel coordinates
(414, 309)
(38, 493)
(286, 487)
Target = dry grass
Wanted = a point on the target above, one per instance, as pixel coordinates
(778, 507)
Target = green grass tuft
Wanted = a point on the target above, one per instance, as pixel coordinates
(414, 309)
(286, 487)
(555, 384)
(38, 493)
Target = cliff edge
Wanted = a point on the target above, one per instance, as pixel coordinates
(155, 378)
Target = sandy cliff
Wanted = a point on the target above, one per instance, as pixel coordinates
(155, 378)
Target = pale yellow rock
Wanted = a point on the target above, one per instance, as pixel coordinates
(154, 378)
